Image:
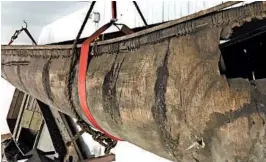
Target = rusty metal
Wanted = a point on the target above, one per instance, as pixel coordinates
(25, 120)
(114, 11)
(125, 29)
(98, 136)
(31, 120)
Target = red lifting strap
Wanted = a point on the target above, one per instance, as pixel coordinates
(83, 62)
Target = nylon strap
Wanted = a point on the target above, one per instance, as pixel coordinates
(83, 64)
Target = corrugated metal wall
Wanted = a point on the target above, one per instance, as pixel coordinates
(153, 11)
(160, 11)
(67, 27)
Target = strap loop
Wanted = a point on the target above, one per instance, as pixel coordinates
(83, 63)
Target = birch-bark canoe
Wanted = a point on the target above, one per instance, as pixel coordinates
(160, 89)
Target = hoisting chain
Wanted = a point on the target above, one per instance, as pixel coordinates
(15, 35)
(98, 136)
(101, 136)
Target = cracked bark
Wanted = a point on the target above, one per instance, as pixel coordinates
(167, 100)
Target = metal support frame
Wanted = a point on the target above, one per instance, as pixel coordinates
(55, 134)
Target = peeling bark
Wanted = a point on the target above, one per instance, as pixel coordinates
(161, 91)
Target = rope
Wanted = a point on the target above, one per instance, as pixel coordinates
(83, 24)
(75, 59)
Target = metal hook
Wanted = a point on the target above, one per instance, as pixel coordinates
(25, 24)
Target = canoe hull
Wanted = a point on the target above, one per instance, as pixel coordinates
(162, 91)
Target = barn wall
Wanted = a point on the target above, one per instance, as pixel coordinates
(67, 27)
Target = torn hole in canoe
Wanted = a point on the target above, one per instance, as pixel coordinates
(243, 52)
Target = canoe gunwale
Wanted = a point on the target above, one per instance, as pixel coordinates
(177, 66)
(193, 19)
(231, 18)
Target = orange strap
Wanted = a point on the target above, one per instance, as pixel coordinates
(83, 62)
